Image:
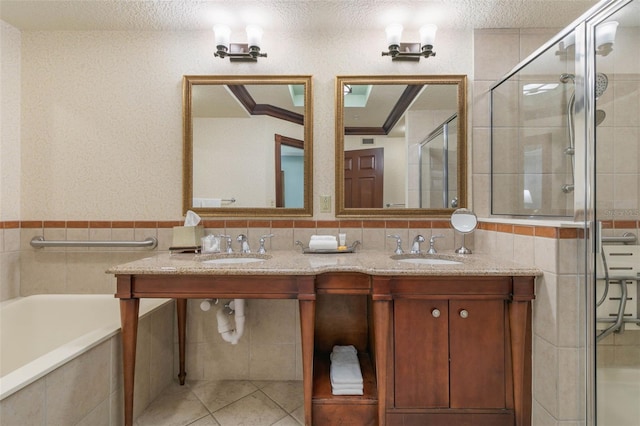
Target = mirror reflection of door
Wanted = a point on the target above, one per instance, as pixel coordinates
(364, 178)
(289, 167)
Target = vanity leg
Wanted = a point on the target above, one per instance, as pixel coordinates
(307, 325)
(181, 308)
(381, 315)
(129, 322)
(520, 319)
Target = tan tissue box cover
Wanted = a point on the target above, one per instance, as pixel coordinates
(187, 236)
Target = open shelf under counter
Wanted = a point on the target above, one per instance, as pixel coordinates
(356, 410)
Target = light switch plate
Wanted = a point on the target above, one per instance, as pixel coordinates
(325, 204)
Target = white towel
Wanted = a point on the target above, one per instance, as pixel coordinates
(323, 245)
(339, 386)
(347, 391)
(345, 367)
(323, 238)
(346, 348)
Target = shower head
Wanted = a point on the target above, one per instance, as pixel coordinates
(602, 81)
(600, 116)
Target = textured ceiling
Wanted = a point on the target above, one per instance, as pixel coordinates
(292, 15)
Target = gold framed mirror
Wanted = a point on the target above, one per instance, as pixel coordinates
(400, 145)
(248, 145)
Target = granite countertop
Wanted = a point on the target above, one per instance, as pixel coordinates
(285, 262)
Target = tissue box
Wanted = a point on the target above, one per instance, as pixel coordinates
(187, 236)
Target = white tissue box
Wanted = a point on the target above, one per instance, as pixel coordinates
(187, 236)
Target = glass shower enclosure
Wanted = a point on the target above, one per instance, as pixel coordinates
(565, 131)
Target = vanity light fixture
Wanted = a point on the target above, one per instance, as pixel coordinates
(410, 51)
(238, 52)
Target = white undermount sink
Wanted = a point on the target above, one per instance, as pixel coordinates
(231, 259)
(424, 260)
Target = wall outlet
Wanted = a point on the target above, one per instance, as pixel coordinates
(325, 204)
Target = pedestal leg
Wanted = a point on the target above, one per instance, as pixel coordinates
(129, 321)
(181, 308)
(307, 325)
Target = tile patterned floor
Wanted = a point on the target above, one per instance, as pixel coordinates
(227, 403)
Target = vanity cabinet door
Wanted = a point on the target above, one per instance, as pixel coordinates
(421, 353)
(477, 353)
(449, 353)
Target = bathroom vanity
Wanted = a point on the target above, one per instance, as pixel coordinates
(438, 344)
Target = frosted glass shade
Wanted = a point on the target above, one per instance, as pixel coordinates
(394, 33)
(254, 35)
(222, 35)
(428, 34)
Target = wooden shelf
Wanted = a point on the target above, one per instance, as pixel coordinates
(322, 382)
(347, 410)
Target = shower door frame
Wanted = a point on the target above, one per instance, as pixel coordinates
(586, 63)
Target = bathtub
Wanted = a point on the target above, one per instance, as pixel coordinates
(41, 333)
(618, 394)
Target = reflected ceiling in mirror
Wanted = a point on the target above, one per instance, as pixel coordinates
(400, 145)
(247, 145)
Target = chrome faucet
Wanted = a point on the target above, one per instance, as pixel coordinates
(432, 241)
(398, 249)
(261, 249)
(415, 248)
(244, 244)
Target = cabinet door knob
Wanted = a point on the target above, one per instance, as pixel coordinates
(464, 313)
(435, 313)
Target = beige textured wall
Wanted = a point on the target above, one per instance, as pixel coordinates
(102, 131)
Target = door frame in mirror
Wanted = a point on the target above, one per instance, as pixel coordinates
(188, 82)
(460, 81)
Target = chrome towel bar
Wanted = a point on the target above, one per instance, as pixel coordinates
(40, 242)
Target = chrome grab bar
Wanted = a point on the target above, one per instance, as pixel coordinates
(40, 242)
(626, 238)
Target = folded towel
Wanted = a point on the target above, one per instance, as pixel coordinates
(338, 386)
(346, 348)
(323, 245)
(345, 374)
(347, 391)
(323, 238)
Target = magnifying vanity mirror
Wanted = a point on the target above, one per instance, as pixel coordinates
(247, 145)
(464, 221)
(400, 145)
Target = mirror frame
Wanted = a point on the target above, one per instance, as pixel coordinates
(461, 82)
(188, 82)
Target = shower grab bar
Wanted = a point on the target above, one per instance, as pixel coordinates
(626, 238)
(40, 242)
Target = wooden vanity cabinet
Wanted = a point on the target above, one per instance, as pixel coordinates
(459, 350)
(343, 316)
(449, 353)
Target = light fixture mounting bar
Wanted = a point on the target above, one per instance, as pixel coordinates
(409, 52)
